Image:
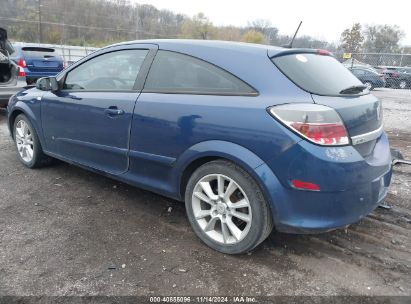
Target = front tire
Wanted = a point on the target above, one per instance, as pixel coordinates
(226, 208)
(28, 145)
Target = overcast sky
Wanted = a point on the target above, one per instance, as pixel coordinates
(321, 19)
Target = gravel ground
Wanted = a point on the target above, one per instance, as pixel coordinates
(67, 231)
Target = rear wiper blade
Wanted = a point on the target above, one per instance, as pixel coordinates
(353, 89)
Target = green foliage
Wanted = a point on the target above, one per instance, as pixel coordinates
(352, 39)
(103, 22)
(199, 27)
(264, 27)
(374, 39)
(253, 36)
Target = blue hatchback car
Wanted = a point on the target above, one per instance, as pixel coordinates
(251, 137)
(37, 62)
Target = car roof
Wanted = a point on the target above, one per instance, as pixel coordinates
(249, 62)
(234, 46)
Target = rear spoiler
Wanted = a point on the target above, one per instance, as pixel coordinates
(275, 53)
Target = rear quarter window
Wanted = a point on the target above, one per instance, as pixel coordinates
(315, 73)
(173, 72)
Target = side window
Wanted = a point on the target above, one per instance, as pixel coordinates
(177, 73)
(111, 71)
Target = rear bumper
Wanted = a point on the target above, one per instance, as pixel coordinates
(350, 186)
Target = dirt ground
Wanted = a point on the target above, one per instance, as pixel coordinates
(66, 231)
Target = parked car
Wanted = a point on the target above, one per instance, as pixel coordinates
(251, 137)
(406, 70)
(12, 78)
(37, 62)
(368, 76)
(397, 77)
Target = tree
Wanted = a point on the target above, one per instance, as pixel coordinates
(199, 27)
(228, 33)
(352, 39)
(382, 38)
(264, 26)
(253, 36)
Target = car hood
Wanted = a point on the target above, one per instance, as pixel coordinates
(5, 45)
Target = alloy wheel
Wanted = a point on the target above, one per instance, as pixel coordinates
(24, 141)
(221, 208)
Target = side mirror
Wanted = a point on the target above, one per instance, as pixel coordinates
(47, 84)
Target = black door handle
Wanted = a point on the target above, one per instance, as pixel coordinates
(113, 111)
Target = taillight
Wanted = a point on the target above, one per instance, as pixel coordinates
(22, 73)
(323, 52)
(22, 63)
(317, 123)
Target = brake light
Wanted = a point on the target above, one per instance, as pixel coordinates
(317, 123)
(22, 63)
(22, 73)
(323, 52)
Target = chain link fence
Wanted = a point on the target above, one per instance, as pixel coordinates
(394, 69)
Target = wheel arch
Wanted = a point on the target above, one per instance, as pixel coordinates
(12, 118)
(23, 108)
(208, 151)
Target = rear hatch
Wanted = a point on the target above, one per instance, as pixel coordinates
(8, 70)
(333, 85)
(40, 59)
(5, 45)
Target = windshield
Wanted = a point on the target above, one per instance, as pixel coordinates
(317, 74)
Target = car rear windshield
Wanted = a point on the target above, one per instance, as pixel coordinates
(315, 73)
(38, 52)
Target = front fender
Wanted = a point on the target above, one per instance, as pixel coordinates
(31, 108)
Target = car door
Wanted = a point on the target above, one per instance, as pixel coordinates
(88, 120)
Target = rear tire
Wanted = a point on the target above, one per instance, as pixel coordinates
(232, 218)
(28, 146)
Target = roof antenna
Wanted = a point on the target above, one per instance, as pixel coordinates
(290, 45)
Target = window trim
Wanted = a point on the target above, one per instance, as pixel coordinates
(137, 87)
(160, 91)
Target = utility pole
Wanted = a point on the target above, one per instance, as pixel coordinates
(40, 29)
(137, 21)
